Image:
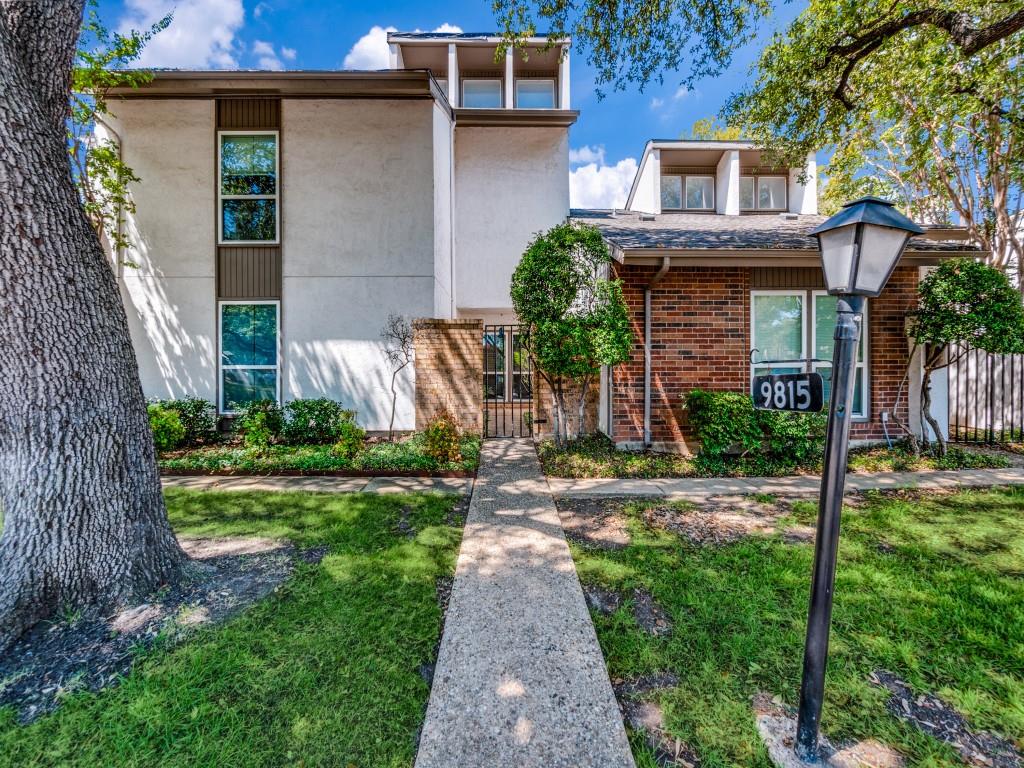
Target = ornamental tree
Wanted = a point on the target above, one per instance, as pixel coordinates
(963, 304)
(577, 317)
(84, 519)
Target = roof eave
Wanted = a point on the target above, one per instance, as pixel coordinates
(759, 257)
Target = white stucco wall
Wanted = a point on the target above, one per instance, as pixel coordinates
(170, 295)
(647, 197)
(444, 236)
(510, 183)
(358, 244)
(803, 196)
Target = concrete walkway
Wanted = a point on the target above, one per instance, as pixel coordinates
(520, 679)
(321, 484)
(702, 488)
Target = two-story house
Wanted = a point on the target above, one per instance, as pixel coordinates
(282, 216)
(723, 281)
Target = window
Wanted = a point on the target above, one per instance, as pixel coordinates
(763, 193)
(481, 94)
(506, 376)
(699, 193)
(785, 324)
(249, 356)
(671, 192)
(247, 187)
(535, 94)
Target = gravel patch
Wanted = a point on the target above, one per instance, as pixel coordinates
(594, 522)
(90, 652)
(940, 720)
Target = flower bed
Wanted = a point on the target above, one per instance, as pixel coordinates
(403, 457)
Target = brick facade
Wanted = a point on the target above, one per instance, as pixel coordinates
(449, 371)
(700, 334)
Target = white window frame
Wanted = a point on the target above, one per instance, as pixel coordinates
(221, 405)
(687, 177)
(862, 368)
(501, 90)
(808, 325)
(682, 191)
(551, 81)
(276, 197)
(757, 178)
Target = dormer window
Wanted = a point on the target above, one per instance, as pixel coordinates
(481, 94)
(691, 193)
(763, 193)
(535, 94)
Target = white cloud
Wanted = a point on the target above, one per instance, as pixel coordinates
(201, 35)
(681, 93)
(267, 58)
(586, 154)
(657, 103)
(371, 50)
(596, 185)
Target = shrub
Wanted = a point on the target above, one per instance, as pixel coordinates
(260, 422)
(441, 438)
(727, 422)
(723, 421)
(350, 438)
(198, 417)
(314, 421)
(168, 431)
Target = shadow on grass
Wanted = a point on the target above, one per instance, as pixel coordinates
(322, 672)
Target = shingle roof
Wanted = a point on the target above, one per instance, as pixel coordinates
(697, 231)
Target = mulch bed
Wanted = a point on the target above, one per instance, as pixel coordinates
(651, 617)
(647, 718)
(456, 474)
(89, 652)
(593, 522)
(940, 720)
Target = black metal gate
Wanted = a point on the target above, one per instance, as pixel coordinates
(508, 382)
(986, 397)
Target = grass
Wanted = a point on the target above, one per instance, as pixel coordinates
(944, 610)
(323, 672)
(596, 456)
(402, 456)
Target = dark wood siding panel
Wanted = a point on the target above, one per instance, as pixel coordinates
(248, 114)
(249, 272)
(787, 277)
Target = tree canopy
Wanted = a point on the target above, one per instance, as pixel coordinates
(577, 317)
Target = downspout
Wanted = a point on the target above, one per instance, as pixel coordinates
(666, 262)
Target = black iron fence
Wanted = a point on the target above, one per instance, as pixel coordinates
(508, 382)
(985, 397)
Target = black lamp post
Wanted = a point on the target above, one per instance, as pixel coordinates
(859, 247)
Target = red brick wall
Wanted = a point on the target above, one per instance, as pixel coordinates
(700, 334)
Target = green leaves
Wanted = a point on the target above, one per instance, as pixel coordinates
(578, 319)
(964, 301)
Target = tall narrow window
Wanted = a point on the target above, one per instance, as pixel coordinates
(747, 193)
(249, 357)
(494, 365)
(785, 324)
(535, 94)
(700, 192)
(248, 187)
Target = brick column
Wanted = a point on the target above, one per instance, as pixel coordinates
(449, 371)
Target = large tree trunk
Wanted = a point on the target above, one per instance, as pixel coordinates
(84, 518)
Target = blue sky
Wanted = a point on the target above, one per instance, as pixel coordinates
(606, 142)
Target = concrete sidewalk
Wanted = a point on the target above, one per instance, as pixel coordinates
(701, 488)
(320, 484)
(520, 679)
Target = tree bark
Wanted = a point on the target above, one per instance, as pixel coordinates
(84, 518)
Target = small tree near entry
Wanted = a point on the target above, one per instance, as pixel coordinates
(963, 303)
(577, 317)
(397, 334)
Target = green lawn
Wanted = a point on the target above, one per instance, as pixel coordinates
(324, 672)
(401, 456)
(944, 610)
